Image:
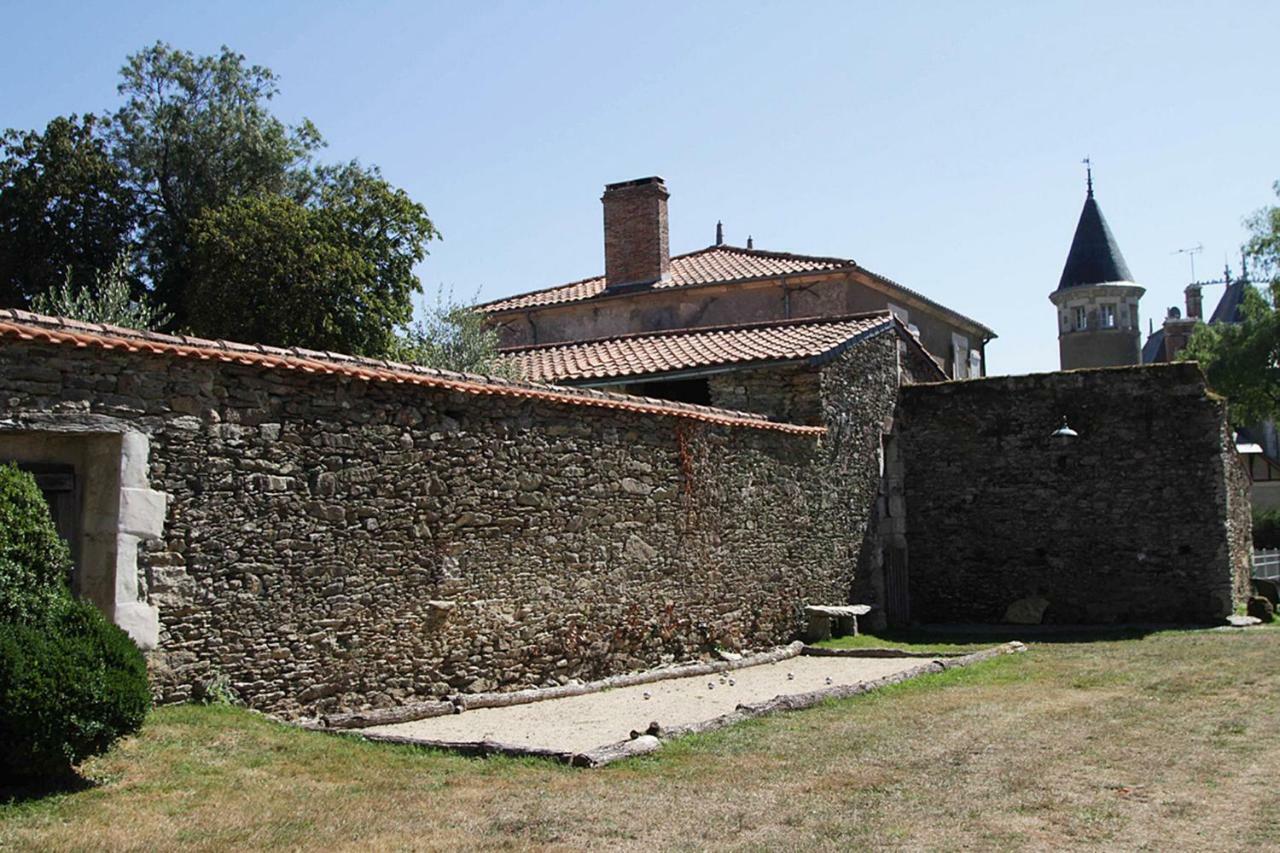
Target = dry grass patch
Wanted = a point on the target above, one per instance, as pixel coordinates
(1148, 743)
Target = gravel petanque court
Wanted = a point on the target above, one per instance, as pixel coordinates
(580, 724)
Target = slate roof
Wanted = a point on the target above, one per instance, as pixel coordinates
(1094, 257)
(1153, 350)
(677, 350)
(1230, 305)
(27, 326)
(721, 264)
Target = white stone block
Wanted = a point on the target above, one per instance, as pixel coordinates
(142, 512)
(140, 621)
(134, 449)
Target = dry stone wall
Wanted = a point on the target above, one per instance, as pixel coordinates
(1143, 517)
(332, 543)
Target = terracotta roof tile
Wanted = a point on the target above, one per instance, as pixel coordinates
(688, 349)
(27, 326)
(714, 265)
(705, 266)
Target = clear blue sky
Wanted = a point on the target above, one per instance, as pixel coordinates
(936, 143)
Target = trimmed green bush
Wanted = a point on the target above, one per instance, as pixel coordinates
(71, 683)
(33, 558)
(68, 689)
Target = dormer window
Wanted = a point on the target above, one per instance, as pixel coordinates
(1107, 316)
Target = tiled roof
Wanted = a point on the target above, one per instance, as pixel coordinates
(705, 266)
(688, 349)
(713, 265)
(26, 326)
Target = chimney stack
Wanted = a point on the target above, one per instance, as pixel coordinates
(1194, 302)
(637, 246)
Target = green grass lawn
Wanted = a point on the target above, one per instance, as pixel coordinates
(1158, 742)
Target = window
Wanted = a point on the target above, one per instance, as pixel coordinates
(1107, 316)
(1082, 318)
(959, 356)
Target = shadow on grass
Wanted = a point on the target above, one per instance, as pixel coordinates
(992, 634)
(34, 790)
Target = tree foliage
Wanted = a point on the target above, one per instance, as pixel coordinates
(1242, 360)
(234, 230)
(194, 133)
(66, 209)
(453, 336)
(336, 274)
(112, 299)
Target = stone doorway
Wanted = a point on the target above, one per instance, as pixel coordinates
(97, 489)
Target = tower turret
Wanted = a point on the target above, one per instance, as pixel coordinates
(1097, 298)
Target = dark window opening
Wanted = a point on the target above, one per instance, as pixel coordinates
(696, 391)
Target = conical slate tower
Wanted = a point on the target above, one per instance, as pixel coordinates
(1097, 299)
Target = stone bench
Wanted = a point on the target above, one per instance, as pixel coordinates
(845, 616)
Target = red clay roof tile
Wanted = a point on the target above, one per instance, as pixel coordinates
(687, 349)
(26, 326)
(714, 265)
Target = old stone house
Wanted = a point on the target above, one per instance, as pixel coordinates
(644, 289)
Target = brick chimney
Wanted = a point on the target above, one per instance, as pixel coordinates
(637, 247)
(1195, 303)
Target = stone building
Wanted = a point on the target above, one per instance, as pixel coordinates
(1096, 299)
(644, 289)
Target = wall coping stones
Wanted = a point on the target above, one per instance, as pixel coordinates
(26, 326)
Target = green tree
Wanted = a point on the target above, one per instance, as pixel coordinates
(65, 207)
(194, 133)
(235, 232)
(112, 299)
(335, 273)
(1242, 360)
(453, 336)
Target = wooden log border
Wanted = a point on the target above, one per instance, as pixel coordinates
(460, 702)
(652, 738)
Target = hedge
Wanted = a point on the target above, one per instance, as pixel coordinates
(71, 683)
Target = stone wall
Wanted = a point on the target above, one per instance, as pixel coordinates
(1143, 517)
(788, 393)
(337, 541)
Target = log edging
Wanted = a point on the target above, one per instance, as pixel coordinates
(459, 702)
(652, 738)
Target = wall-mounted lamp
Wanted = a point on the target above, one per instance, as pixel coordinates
(1065, 433)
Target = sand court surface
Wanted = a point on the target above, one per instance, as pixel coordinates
(579, 724)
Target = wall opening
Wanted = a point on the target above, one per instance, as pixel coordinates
(96, 486)
(697, 391)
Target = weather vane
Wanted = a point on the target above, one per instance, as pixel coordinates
(1088, 170)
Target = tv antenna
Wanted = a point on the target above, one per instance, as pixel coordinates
(1191, 253)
